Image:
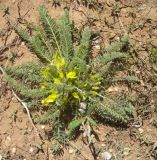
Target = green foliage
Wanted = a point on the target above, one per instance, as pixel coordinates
(66, 37)
(75, 123)
(92, 4)
(118, 110)
(67, 84)
(25, 79)
(56, 148)
(153, 56)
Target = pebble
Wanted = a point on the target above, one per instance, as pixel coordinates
(97, 46)
(138, 72)
(83, 105)
(106, 155)
(141, 130)
(71, 151)
(1, 157)
(112, 89)
(42, 126)
(81, 110)
(84, 134)
(8, 141)
(103, 145)
(13, 151)
(142, 83)
(126, 151)
(31, 150)
(8, 138)
(23, 43)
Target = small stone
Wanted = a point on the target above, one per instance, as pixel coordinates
(84, 134)
(31, 150)
(103, 145)
(42, 126)
(93, 139)
(126, 151)
(8, 138)
(13, 151)
(97, 46)
(81, 110)
(141, 130)
(106, 155)
(23, 43)
(138, 72)
(111, 150)
(142, 83)
(8, 141)
(83, 105)
(71, 151)
(1, 157)
(112, 89)
(117, 38)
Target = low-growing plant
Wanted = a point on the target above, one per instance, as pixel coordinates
(67, 83)
(91, 4)
(153, 56)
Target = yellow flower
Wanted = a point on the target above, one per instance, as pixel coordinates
(56, 80)
(93, 92)
(45, 73)
(75, 95)
(61, 74)
(51, 98)
(96, 77)
(58, 61)
(71, 75)
(65, 99)
(43, 87)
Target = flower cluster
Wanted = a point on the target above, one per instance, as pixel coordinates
(64, 85)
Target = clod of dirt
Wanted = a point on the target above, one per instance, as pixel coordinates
(106, 155)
